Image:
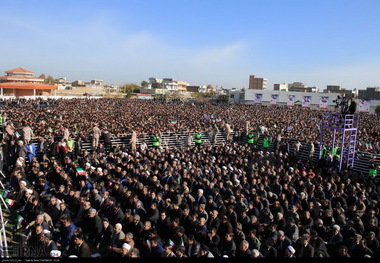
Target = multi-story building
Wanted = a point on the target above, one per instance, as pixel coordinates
(333, 88)
(200, 89)
(170, 84)
(300, 87)
(78, 83)
(182, 86)
(280, 87)
(257, 83)
(21, 82)
(371, 93)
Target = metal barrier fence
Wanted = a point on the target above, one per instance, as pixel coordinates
(3, 236)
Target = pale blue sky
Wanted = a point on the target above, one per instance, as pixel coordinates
(317, 42)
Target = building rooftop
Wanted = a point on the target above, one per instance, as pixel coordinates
(19, 71)
(18, 85)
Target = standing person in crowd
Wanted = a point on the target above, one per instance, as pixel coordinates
(96, 133)
(188, 140)
(198, 138)
(215, 132)
(156, 140)
(21, 150)
(133, 140)
(106, 138)
(228, 132)
(65, 133)
(10, 131)
(27, 133)
(31, 150)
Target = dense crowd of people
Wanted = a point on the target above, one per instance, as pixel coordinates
(200, 200)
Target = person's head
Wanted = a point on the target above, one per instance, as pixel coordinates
(22, 184)
(163, 214)
(92, 213)
(39, 229)
(134, 253)
(255, 253)
(86, 205)
(244, 245)
(343, 250)
(147, 225)
(128, 237)
(125, 248)
(136, 218)
(106, 222)
(78, 239)
(202, 221)
(336, 228)
(39, 219)
(62, 206)
(289, 251)
(180, 251)
(229, 237)
(66, 221)
(168, 248)
(118, 227)
(304, 240)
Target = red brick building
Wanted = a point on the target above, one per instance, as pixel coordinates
(21, 82)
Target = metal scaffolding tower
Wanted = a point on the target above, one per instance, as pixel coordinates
(343, 129)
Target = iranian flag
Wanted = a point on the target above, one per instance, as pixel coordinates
(80, 171)
(20, 222)
(5, 193)
(17, 134)
(9, 202)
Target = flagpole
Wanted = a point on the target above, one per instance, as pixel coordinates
(5, 204)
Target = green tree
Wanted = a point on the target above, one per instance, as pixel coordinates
(130, 88)
(223, 98)
(157, 85)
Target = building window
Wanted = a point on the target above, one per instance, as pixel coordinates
(232, 96)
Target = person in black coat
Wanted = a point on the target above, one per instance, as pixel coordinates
(105, 237)
(163, 225)
(107, 139)
(303, 248)
(225, 227)
(201, 199)
(192, 247)
(92, 227)
(212, 242)
(317, 243)
(137, 228)
(282, 243)
(267, 249)
(227, 246)
(116, 215)
(51, 150)
(213, 220)
(82, 250)
(153, 214)
(244, 251)
(334, 240)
